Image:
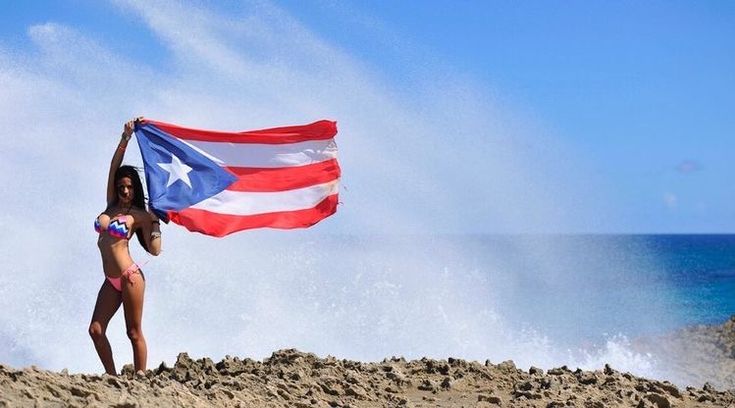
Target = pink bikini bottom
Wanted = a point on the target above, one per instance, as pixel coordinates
(129, 274)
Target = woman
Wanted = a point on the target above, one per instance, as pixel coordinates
(124, 282)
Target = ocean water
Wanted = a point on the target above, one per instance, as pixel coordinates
(702, 270)
(592, 284)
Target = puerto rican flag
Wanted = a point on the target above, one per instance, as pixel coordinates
(217, 183)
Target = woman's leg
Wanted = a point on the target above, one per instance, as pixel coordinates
(133, 290)
(108, 301)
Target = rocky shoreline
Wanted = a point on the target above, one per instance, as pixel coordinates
(290, 378)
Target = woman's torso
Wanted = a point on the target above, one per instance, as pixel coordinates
(115, 230)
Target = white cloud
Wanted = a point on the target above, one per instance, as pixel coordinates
(671, 200)
(688, 166)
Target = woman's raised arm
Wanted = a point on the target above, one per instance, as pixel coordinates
(117, 158)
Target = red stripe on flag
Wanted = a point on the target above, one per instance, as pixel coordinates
(320, 130)
(219, 225)
(284, 178)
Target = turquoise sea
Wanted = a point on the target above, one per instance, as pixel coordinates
(573, 285)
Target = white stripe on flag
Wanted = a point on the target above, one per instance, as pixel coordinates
(267, 155)
(251, 203)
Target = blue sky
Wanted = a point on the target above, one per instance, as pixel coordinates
(627, 104)
(645, 89)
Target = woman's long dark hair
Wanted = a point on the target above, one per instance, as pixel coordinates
(138, 194)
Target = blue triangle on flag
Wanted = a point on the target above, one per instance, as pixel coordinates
(177, 175)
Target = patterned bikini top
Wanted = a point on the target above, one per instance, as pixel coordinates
(116, 228)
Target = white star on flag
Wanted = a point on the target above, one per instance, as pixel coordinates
(177, 170)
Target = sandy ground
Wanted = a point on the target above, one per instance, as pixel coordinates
(290, 378)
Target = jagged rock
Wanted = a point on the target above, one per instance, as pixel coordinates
(558, 371)
(658, 400)
(427, 385)
(507, 366)
(127, 370)
(295, 379)
(586, 378)
(670, 388)
(162, 368)
(357, 392)
(524, 386)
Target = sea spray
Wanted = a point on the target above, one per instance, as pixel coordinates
(370, 297)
